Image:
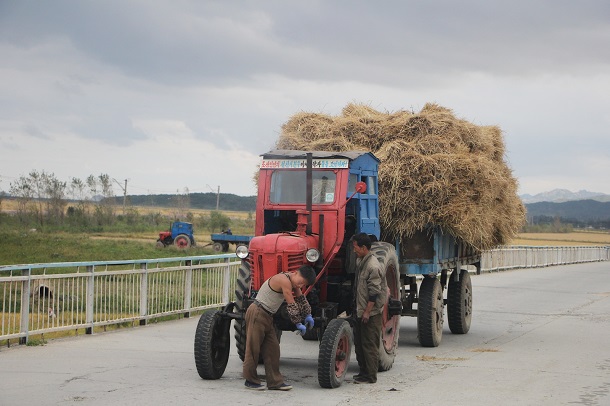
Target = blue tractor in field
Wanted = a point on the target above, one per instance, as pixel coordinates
(180, 235)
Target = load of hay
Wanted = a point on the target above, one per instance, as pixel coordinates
(435, 169)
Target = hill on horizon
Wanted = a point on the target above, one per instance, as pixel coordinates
(564, 195)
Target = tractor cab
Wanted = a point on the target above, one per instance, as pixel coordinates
(309, 205)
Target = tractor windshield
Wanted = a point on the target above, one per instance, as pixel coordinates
(289, 186)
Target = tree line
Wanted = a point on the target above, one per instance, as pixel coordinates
(44, 201)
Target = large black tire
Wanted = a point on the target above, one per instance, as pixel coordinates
(212, 345)
(388, 345)
(430, 312)
(459, 302)
(242, 289)
(182, 241)
(334, 355)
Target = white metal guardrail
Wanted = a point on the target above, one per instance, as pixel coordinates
(41, 298)
(513, 257)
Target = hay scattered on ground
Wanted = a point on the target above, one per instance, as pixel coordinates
(435, 169)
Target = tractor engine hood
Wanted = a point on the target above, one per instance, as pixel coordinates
(274, 253)
(288, 243)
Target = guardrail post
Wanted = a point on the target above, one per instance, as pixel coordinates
(188, 282)
(144, 294)
(227, 282)
(90, 299)
(25, 306)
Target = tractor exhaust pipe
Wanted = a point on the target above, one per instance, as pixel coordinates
(309, 192)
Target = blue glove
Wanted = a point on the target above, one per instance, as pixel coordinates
(302, 329)
(309, 321)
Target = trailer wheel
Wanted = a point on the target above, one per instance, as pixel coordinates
(335, 351)
(182, 241)
(430, 312)
(212, 345)
(459, 302)
(217, 247)
(390, 325)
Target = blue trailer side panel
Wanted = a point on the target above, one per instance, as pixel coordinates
(431, 251)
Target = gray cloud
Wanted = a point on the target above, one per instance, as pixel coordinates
(228, 74)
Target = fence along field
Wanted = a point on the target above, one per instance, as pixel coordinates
(89, 295)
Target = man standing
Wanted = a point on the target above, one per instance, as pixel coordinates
(370, 295)
(260, 332)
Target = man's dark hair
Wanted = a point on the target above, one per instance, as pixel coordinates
(363, 240)
(308, 273)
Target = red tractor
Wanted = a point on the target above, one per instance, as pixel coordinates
(309, 206)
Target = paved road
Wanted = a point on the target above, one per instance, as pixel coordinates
(539, 337)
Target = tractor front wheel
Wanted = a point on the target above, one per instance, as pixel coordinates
(335, 350)
(212, 345)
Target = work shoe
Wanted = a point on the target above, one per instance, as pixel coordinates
(254, 386)
(283, 386)
(362, 379)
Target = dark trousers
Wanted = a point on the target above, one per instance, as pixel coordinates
(367, 337)
(261, 338)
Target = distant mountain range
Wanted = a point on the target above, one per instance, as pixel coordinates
(564, 195)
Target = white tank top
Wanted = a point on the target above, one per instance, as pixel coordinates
(269, 298)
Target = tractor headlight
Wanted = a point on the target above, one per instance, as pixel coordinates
(242, 251)
(312, 255)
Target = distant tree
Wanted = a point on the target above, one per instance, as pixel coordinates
(55, 192)
(40, 196)
(218, 221)
(77, 191)
(181, 202)
(103, 196)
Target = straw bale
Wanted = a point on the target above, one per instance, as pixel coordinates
(435, 169)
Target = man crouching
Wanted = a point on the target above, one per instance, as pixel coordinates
(260, 332)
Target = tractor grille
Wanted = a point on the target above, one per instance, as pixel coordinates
(294, 262)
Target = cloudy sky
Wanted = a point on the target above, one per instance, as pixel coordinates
(187, 94)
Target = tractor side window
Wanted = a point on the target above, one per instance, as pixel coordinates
(289, 187)
(351, 183)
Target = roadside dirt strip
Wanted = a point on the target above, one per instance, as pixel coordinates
(538, 337)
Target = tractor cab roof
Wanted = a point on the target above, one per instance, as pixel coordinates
(294, 154)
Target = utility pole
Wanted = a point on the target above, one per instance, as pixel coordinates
(124, 192)
(217, 195)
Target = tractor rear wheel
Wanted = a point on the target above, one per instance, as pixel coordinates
(182, 241)
(430, 312)
(212, 345)
(390, 325)
(459, 302)
(335, 351)
(241, 291)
